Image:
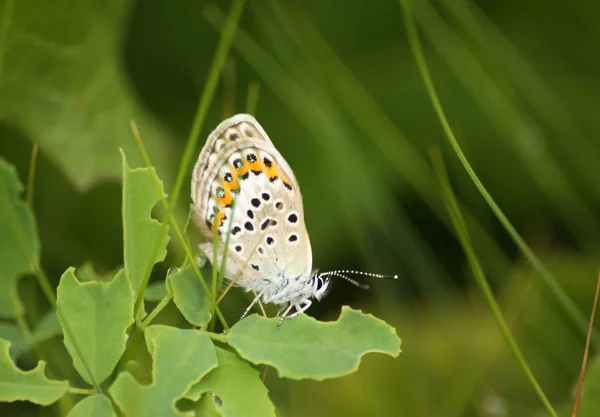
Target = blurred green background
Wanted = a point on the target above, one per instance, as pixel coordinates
(338, 91)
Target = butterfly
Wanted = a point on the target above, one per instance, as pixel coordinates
(244, 188)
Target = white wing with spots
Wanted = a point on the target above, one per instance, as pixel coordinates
(241, 178)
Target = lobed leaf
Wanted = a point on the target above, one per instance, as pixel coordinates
(95, 316)
(96, 405)
(140, 230)
(18, 343)
(189, 296)
(180, 359)
(19, 245)
(78, 109)
(33, 386)
(86, 273)
(206, 407)
(237, 386)
(306, 348)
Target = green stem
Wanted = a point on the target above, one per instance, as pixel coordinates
(161, 305)
(465, 240)
(80, 391)
(229, 29)
(218, 337)
(180, 235)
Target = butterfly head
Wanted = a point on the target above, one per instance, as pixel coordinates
(319, 285)
(319, 281)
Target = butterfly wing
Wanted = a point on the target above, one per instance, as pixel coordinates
(241, 181)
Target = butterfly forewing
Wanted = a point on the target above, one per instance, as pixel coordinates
(241, 178)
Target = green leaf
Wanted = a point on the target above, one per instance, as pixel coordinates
(19, 245)
(94, 317)
(306, 348)
(18, 385)
(18, 343)
(96, 405)
(189, 296)
(48, 327)
(78, 109)
(140, 230)
(180, 359)
(238, 387)
(86, 273)
(155, 291)
(206, 407)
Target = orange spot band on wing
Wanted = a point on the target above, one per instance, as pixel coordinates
(234, 184)
(271, 171)
(286, 181)
(255, 166)
(220, 217)
(227, 198)
(243, 170)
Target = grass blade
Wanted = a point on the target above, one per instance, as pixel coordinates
(556, 289)
(465, 241)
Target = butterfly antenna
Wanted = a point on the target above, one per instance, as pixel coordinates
(366, 274)
(350, 280)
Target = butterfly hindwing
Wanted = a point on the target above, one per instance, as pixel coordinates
(243, 183)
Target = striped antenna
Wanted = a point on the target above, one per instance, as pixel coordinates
(341, 273)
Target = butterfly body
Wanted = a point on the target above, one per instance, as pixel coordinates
(243, 186)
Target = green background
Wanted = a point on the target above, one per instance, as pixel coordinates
(341, 98)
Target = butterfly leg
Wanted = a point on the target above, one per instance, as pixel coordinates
(299, 310)
(253, 302)
(284, 315)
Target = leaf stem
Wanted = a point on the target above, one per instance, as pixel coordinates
(180, 235)
(219, 337)
(80, 391)
(161, 305)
